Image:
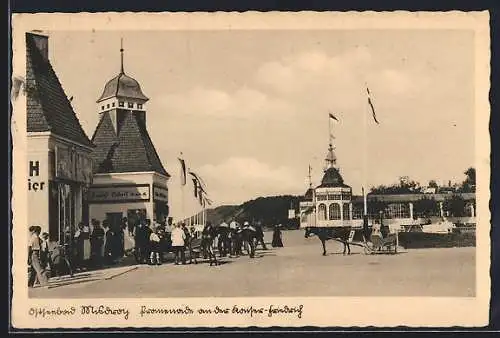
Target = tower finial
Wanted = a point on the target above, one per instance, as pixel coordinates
(121, 52)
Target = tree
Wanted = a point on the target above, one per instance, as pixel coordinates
(433, 184)
(426, 207)
(469, 184)
(454, 206)
(375, 206)
(405, 186)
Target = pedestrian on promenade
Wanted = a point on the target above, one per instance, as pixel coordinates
(154, 244)
(97, 242)
(108, 243)
(82, 239)
(37, 272)
(259, 235)
(45, 252)
(277, 238)
(178, 240)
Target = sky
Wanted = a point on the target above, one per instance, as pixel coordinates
(249, 109)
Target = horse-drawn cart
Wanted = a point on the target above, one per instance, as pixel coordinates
(375, 242)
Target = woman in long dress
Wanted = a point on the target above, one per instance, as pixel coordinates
(277, 239)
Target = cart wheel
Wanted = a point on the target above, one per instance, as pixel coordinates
(368, 248)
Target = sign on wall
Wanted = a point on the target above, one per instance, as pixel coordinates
(73, 166)
(119, 194)
(65, 166)
(160, 194)
(84, 168)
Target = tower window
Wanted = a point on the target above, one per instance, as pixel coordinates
(121, 104)
(102, 107)
(139, 106)
(131, 105)
(112, 104)
(107, 106)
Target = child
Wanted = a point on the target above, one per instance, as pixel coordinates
(154, 242)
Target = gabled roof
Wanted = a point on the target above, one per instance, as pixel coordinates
(131, 150)
(48, 108)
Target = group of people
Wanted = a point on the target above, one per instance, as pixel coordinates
(99, 244)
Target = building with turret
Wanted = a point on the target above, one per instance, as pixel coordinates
(129, 177)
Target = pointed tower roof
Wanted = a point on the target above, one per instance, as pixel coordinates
(131, 150)
(122, 140)
(122, 85)
(48, 107)
(332, 177)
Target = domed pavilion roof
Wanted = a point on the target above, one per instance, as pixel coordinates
(122, 85)
(332, 179)
(308, 196)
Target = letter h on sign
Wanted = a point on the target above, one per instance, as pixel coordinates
(34, 168)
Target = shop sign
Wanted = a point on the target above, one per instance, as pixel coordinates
(118, 194)
(65, 166)
(36, 178)
(83, 168)
(73, 166)
(160, 194)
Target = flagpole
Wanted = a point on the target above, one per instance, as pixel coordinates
(365, 145)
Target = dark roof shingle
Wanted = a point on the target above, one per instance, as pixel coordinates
(48, 108)
(130, 151)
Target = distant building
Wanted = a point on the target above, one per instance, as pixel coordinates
(329, 204)
(129, 177)
(58, 150)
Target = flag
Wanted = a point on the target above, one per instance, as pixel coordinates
(183, 171)
(208, 201)
(201, 183)
(200, 195)
(333, 117)
(195, 183)
(371, 105)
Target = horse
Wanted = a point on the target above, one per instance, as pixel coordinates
(224, 241)
(340, 234)
(208, 236)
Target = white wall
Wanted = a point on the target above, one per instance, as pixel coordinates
(38, 194)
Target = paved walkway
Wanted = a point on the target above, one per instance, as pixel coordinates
(296, 270)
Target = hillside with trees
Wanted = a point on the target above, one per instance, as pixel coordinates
(268, 211)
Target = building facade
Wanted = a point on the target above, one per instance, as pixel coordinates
(129, 178)
(58, 150)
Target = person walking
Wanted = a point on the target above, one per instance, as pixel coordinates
(97, 242)
(154, 244)
(277, 238)
(178, 241)
(108, 243)
(82, 239)
(45, 252)
(37, 272)
(259, 236)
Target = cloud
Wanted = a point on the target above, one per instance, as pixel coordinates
(243, 178)
(341, 76)
(243, 103)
